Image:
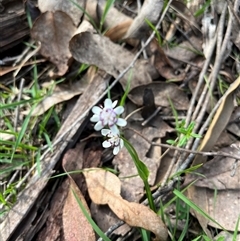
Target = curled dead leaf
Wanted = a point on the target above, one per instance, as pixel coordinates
(54, 30)
(104, 188)
(99, 50)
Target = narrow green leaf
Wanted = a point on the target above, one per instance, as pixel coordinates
(195, 207)
(90, 220)
(22, 131)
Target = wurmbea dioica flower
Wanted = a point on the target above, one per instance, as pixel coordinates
(108, 116)
(113, 140)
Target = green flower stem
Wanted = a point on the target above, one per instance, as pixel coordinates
(143, 172)
(149, 196)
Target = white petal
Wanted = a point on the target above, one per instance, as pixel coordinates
(115, 150)
(95, 118)
(105, 132)
(114, 103)
(96, 110)
(114, 130)
(106, 144)
(108, 103)
(98, 126)
(119, 110)
(121, 122)
(121, 144)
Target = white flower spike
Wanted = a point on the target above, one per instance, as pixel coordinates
(108, 116)
(113, 140)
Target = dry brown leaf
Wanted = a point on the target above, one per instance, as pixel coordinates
(73, 161)
(104, 188)
(218, 177)
(225, 139)
(85, 26)
(65, 6)
(151, 11)
(162, 92)
(234, 124)
(91, 6)
(61, 93)
(54, 30)
(75, 225)
(219, 122)
(98, 50)
(116, 23)
(117, 32)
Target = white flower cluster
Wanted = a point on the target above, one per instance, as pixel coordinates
(108, 115)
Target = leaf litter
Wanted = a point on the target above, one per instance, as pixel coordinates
(182, 62)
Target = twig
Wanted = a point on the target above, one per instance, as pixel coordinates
(224, 154)
(151, 116)
(26, 59)
(214, 75)
(216, 68)
(205, 96)
(132, 113)
(234, 9)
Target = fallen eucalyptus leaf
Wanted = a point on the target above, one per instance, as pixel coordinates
(54, 30)
(98, 50)
(104, 188)
(61, 93)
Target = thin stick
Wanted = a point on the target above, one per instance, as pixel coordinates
(224, 154)
(205, 96)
